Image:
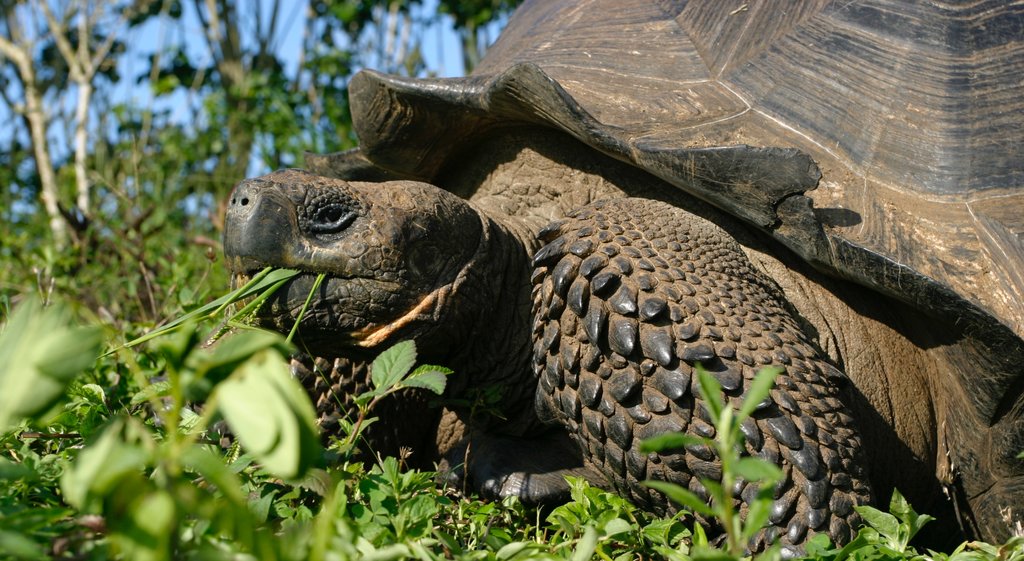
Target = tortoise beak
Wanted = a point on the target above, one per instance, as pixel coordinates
(259, 223)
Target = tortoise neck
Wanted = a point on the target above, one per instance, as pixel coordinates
(489, 334)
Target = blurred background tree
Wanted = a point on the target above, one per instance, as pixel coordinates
(127, 122)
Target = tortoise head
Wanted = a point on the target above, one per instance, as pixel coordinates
(392, 254)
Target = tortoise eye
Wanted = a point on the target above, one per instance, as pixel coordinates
(330, 219)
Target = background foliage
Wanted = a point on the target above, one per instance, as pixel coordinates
(124, 125)
(127, 122)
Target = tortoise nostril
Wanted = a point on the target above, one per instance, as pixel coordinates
(245, 201)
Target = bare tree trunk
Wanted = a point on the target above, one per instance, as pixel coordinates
(18, 50)
(82, 66)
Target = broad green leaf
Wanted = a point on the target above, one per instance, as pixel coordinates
(682, 496)
(252, 409)
(102, 465)
(432, 378)
(212, 468)
(154, 390)
(10, 470)
(219, 361)
(40, 354)
(510, 550)
(773, 553)
(759, 389)
(271, 415)
(93, 392)
(391, 365)
(704, 553)
(671, 441)
(20, 546)
(587, 545)
(617, 527)
(817, 545)
(885, 523)
(861, 540)
(899, 507)
(756, 469)
(918, 522)
(188, 421)
(148, 537)
(699, 537)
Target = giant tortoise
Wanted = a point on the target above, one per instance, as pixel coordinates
(626, 189)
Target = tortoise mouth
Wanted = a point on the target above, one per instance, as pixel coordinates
(342, 314)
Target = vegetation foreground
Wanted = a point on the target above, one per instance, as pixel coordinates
(114, 457)
(173, 449)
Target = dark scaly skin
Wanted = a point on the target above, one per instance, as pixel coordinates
(469, 309)
(630, 295)
(404, 260)
(407, 430)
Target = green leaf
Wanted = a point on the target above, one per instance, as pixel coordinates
(20, 546)
(271, 414)
(218, 362)
(773, 553)
(152, 391)
(671, 441)
(702, 553)
(758, 391)
(11, 471)
(899, 506)
(212, 468)
(392, 365)
(700, 538)
(510, 550)
(305, 306)
(757, 470)
(432, 378)
(617, 527)
(587, 545)
(757, 513)
(148, 536)
(682, 496)
(263, 283)
(176, 345)
(711, 390)
(102, 466)
(40, 354)
(818, 545)
(885, 523)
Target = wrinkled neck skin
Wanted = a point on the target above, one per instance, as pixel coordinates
(484, 326)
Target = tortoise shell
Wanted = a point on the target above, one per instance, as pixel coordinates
(881, 141)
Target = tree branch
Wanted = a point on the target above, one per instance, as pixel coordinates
(11, 51)
(63, 45)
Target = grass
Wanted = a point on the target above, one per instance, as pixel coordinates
(112, 458)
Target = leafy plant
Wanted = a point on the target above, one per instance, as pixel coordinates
(41, 352)
(728, 446)
(604, 522)
(391, 372)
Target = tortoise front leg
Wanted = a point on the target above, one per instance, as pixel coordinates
(629, 296)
